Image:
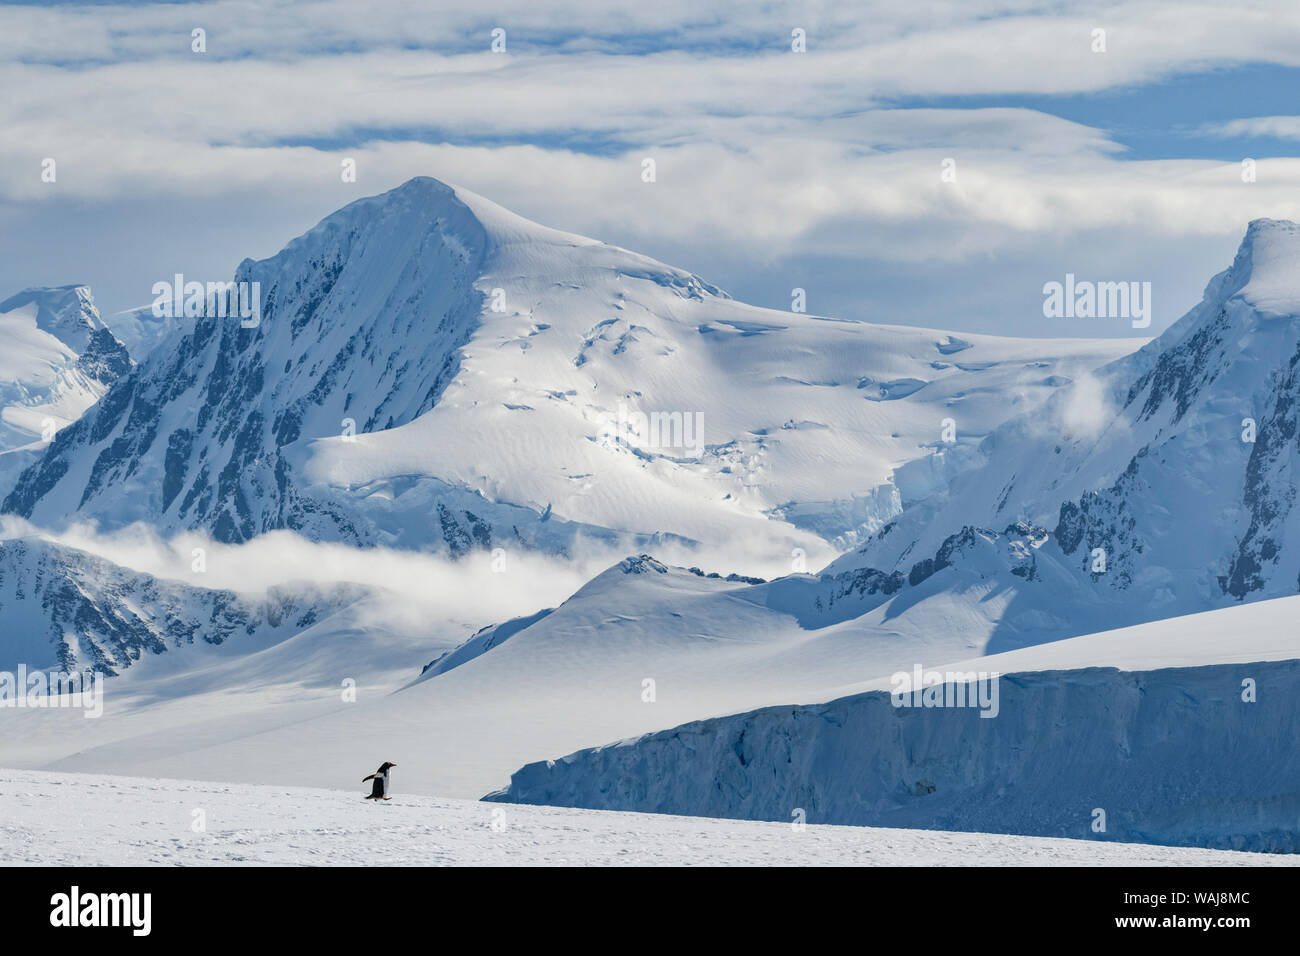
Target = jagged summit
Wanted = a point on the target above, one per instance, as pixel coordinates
(1262, 284)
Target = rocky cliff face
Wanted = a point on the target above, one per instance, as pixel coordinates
(360, 322)
(66, 608)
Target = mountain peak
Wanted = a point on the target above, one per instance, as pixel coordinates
(417, 184)
(58, 359)
(418, 190)
(67, 312)
(1270, 227)
(1264, 270)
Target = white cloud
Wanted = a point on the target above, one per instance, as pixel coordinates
(468, 589)
(1281, 127)
(779, 193)
(1087, 409)
(772, 153)
(755, 144)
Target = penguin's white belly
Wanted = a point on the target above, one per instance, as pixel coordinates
(385, 785)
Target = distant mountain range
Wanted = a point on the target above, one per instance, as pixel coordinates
(433, 374)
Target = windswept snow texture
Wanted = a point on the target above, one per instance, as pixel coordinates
(483, 362)
(1170, 756)
(84, 820)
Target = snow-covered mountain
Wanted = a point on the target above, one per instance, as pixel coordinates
(573, 679)
(1162, 485)
(576, 679)
(431, 371)
(58, 358)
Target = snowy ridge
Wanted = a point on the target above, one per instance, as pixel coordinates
(67, 313)
(543, 685)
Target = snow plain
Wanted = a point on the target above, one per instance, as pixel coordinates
(91, 820)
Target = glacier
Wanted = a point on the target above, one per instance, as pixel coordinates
(1195, 753)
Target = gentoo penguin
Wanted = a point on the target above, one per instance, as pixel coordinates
(379, 791)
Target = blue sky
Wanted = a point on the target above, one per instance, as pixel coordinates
(1171, 119)
(776, 169)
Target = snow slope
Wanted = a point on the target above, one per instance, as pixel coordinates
(85, 820)
(572, 679)
(484, 362)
